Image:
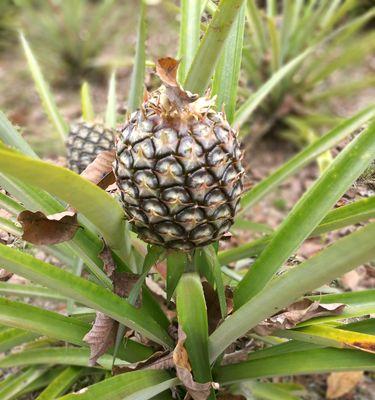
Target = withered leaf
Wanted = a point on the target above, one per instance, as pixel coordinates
(40, 229)
(101, 336)
(109, 266)
(99, 172)
(158, 360)
(5, 275)
(297, 312)
(341, 383)
(198, 391)
(166, 69)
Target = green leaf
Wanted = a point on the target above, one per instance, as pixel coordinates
(110, 114)
(88, 114)
(44, 92)
(57, 326)
(192, 318)
(84, 292)
(189, 34)
(308, 212)
(209, 50)
(351, 298)
(254, 18)
(358, 211)
(227, 72)
(176, 263)
(14, 385)
(60, 383)
(329, 336)
(140, 385)
(248, 107)
(269, 391)
(13, 337)
(94, 203)
(10, 136)
(251, 226)
(283, 290)
(18, 290)
(138, 75)
(53, 356)
(319, 361)
(10, 205)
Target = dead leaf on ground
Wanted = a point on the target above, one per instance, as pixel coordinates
(198, 391)
(101, 336)
(341, 383)
(300, 311)
(40, 229)
(99, 172)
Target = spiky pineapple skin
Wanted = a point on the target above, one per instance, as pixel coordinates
(85, 141)
(180, 182)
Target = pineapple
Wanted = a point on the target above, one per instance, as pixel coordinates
(178, 166)
(85, 142)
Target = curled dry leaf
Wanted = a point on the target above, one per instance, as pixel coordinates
(99, 172)
(341, 383)
(198, 391)
(101, 336)
(40, 229)
(300, 311)
(159, 360)
(166, 69)
(5, 275)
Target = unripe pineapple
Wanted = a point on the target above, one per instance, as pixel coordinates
(85, 141)
(178, 166)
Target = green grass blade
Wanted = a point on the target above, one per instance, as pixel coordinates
(140, 385)
(248, 107)
(10, 205)
(322, 268)
(56, 326)
(351, 298)
(94, 203)
(308, 212)
(110, 114)
(275, 44)
(192, 318)
(209, 50)
(84, 292)
(225, 81)
(189, 34)
(88, 114)
(44, 92)
(138, 75)
(305, 156)
(319, 361)
(60, 383)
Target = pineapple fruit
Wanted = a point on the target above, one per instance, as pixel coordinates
(85, 142)
(178, 166)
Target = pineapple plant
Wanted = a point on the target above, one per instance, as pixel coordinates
(144, 317)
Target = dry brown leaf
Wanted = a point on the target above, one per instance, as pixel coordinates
(198, 391)
(158, 360)
(99, 172)
(5, 275)
(351, 279)
(166, 69)
(341, 383)
(101, 336)
(300, 311)
(40, 229)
